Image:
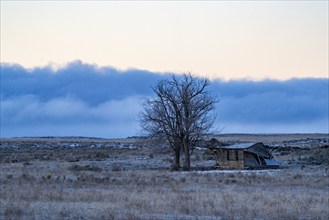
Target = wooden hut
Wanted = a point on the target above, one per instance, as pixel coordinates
(244, 156)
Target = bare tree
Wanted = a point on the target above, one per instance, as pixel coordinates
(181, 113)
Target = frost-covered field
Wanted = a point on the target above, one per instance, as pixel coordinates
(125, 179)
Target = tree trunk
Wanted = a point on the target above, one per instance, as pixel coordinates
(187, 159)
(177, 159)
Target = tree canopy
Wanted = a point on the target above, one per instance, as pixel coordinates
(181, 113)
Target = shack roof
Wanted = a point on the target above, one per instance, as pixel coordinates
(239, 146)
(257, 148)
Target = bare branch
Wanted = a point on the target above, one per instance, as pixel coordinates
(181, 113)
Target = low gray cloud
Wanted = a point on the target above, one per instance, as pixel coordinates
(87, 100)
(67, 116)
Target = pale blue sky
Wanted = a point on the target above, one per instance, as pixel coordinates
(218, 39)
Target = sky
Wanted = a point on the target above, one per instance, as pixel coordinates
(217, 39)
(80, 99)
(83, 68)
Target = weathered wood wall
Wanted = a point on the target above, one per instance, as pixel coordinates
(230, 159)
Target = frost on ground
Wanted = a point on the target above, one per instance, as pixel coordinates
(43, 179)
(272, 171)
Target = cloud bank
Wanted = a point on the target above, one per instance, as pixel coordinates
(86, 100)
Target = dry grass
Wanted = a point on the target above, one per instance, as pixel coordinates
(269, 138)
(38, 193)
(87, 182)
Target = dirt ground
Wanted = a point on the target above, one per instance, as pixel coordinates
(90, 178)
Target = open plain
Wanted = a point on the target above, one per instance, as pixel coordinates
(90, 178)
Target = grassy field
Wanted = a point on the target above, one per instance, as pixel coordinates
(90, 179)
